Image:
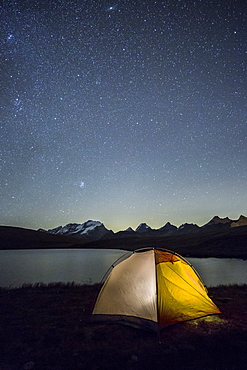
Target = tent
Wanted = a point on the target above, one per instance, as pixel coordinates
(153, 288)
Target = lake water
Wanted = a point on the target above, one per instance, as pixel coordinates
(86, 266)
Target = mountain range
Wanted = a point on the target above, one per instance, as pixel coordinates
(95, 230)
(220, 237)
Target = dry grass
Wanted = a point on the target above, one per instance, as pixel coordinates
(48, 327)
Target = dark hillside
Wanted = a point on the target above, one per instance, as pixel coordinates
(20, 238)
(229, 243)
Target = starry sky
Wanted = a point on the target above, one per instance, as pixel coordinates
(122, 111)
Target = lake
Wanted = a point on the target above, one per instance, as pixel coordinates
(88, 266)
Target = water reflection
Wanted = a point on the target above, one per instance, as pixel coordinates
(221, 271)
(89, 266)
(53, 265)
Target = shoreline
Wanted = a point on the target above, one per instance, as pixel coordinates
(190, 254)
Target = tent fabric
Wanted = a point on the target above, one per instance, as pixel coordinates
(130, 289)
(153, 288)
(181, 295)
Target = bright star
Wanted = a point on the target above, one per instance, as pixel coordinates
(110, 8)
(10, 37)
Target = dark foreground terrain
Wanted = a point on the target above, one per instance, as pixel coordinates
(48, 327)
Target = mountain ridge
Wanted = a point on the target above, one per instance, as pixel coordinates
(95, 230)
(222, 241)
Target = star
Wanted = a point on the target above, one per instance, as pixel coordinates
(111, 8)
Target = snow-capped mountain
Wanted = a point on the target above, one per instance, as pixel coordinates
(89, 229)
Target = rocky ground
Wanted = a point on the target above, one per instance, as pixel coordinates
(48, 327)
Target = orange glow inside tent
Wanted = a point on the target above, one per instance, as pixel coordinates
(153, 288)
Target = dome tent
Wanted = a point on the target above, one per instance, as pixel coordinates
(153, 288)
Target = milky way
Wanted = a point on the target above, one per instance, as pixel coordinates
(123, 112)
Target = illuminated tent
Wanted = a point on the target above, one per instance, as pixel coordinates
(153, 288)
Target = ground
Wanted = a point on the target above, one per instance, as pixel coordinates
(48, 327)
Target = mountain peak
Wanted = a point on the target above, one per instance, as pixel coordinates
(188, 228)
(217, 220)
(89, 229)
(143, 228)
(129, 229)
(242, 221)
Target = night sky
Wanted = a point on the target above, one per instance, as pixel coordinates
(123, 112)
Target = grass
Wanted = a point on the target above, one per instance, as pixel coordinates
(48, 327)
